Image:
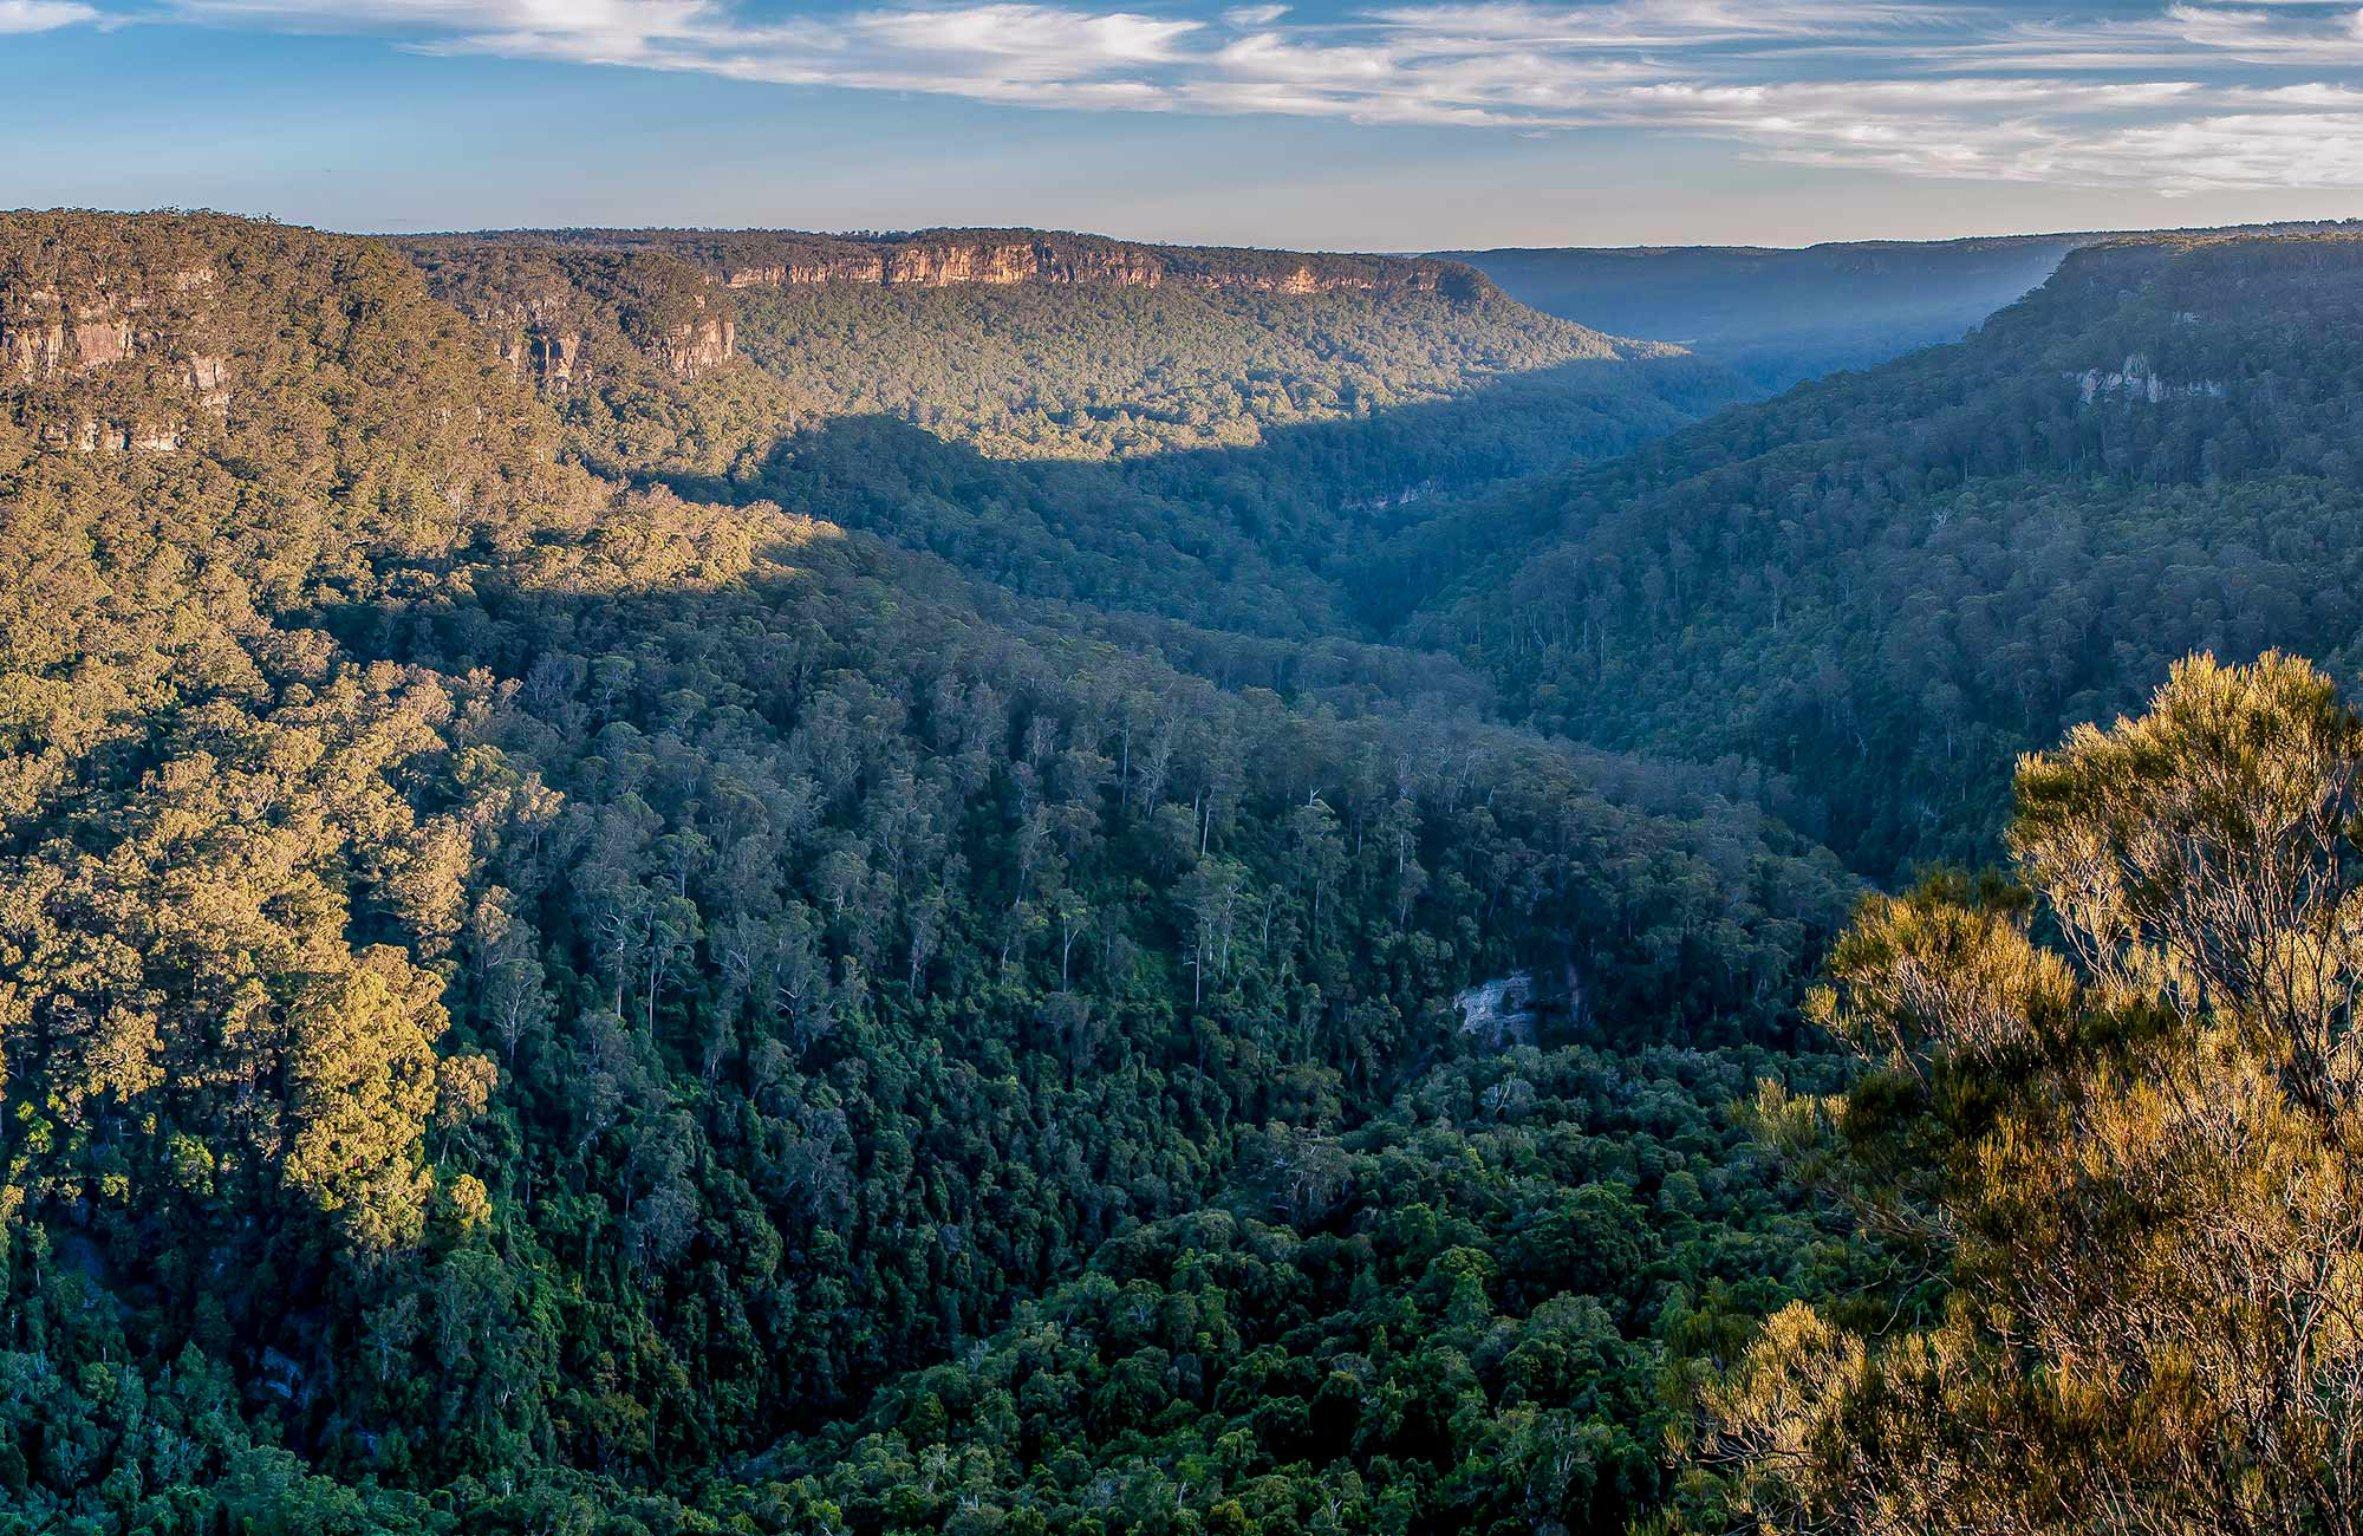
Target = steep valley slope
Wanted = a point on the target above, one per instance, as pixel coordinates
(689, 881)
(1207, 435)
(1879, 589)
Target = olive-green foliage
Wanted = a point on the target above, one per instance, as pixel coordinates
(622, 346)
(1102, 372)
(2133, 1165)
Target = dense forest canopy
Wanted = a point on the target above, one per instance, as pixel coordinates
(529, 980)
(1011, 883)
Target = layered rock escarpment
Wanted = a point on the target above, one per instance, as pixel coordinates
(152, 304)
(558, 315)
(113, 336)
(1008, 258)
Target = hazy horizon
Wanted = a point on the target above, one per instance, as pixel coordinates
(861, 232)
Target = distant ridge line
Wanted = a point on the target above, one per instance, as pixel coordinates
(944, 258)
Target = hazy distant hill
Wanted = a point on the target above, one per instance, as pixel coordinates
(1780, 315)
(1783, 315)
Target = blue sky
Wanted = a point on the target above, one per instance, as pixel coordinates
(1395, 124)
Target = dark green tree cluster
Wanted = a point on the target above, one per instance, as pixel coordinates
(1480, 1310)
(1258, 540)
(936, 956)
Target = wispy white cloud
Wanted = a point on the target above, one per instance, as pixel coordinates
(1663, 24)
(2193, 95)
(21, 16)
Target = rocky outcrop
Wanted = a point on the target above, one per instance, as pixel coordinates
(32, 347)
(111, 316)
(699, 343)
(1002, 263)
(1514, 1009)
(120, 313)
(559, 316)
(539, 341)
(864, 268)
(209, 380)
(549, 354)
(2137, 382)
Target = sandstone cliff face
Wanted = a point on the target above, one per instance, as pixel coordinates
(74, 313)
(538, 336)
(44, 334)
(540, 340)
(1008, 258)
(699, 343)
(1003, 263)
(560, 317)
(989, 263)
(200, 352)
(549, 355)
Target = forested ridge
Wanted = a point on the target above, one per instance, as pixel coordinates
(1210, 448)
(1882, 587)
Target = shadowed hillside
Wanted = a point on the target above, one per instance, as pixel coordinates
(1883, 587)
(1045, 421)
